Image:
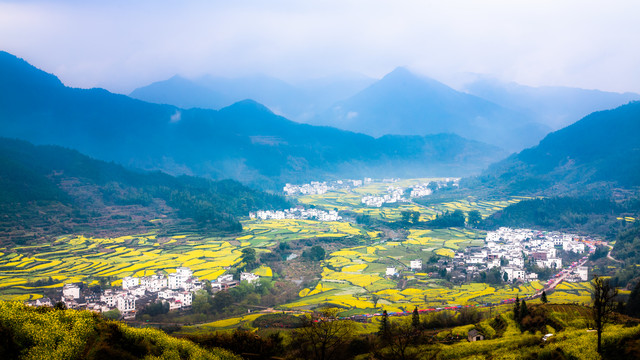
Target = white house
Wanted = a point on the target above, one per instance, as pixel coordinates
(224, 278)
(129, 282)
(109, 298)
(71, 291)
(126, 303)
(583, 273)
(391, 271)
(154, 283)
(513, 273)
(416, 264)
(249, 277)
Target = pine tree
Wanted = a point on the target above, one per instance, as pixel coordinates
(384, 326)
(543, 298)
(516, 309)
(415, 319)
(523, 310)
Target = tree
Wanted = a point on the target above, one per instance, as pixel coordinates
(602, 296)
(516, 309)
(322, 335)
(112, 314)
(317, 253)
(633, 304)
(415, 319)
(249, 255)
(383, 330)
(523, 310)
(375, 298)
(202, 302)
(399, 342)
(474, 217)
(543, 297)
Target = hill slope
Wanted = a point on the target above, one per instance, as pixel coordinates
(48, 190)
(244, 141)
(408, 104)
(554, 106)
(45, 333)
(603, 147)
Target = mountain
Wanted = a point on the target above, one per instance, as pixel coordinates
(245, 141)
(408, 104)
(49, 189)
(554, 106)
(298, 102)
(603, 148)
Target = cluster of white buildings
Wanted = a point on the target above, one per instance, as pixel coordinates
(394, 194)
(176, 289)
(511, 246)
(421, 190)
(319, 188)
(297, 213)
(314, 188)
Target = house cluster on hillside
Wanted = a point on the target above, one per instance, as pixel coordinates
(507, 248)
(297, 213)
(319, 188)
(394, 194)
(397, 194)
(420, 190)
(176, 290)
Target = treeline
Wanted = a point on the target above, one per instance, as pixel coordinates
(590, 215)
(456, 218)
(321, 335)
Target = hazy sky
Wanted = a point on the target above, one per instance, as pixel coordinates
(121, 45)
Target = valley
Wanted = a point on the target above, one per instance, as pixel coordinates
(354, 274)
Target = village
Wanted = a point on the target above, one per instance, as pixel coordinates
(175, 290)
(299, 213)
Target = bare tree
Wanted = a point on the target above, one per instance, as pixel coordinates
(322, 336)
(399, 342)
(603, 296)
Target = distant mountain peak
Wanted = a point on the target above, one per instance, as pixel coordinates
(248, 105)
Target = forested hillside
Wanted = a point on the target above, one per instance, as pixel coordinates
(59, 190)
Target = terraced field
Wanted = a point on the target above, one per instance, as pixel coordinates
(75, 258)
(354, 276)
(351, 200)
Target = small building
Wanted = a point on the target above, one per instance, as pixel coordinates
(126, 303)
(391, 271)
(249, 277)
(416, 264)
(583, 273)
(130, 282)
(71, 291)
(475, 335)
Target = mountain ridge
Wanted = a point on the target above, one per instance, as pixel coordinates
(404, 103)
(244, 141)
(601, 148)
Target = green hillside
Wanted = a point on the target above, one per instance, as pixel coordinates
(45, 333)
(601, 149)
(55, 190)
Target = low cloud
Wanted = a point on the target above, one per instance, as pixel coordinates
(177, 116)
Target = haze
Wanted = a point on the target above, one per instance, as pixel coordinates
(121, 45)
